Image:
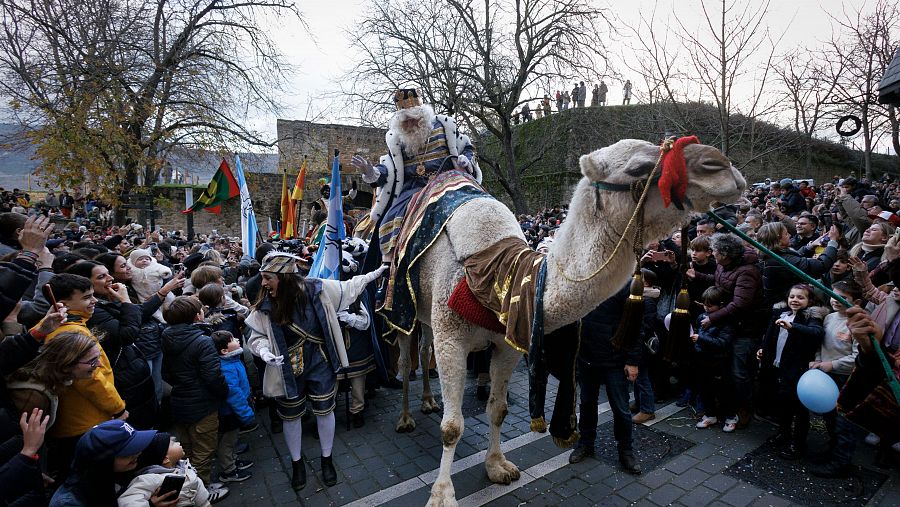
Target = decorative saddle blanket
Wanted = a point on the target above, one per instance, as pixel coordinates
(425, 219)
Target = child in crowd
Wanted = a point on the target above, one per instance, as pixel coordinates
(147, 275)
(87, 401)
(837, 358)
(712, 347)
(702, 261)
(212, 295)
(236, 411)
(644, 399)
(790, 344)
(165, 456)
(193, 369)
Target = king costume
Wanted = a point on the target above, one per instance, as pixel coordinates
(405, 170)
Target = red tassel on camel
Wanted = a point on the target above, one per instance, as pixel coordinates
(674, 179)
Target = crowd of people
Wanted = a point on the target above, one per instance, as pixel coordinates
(84, 210)
(565, 99)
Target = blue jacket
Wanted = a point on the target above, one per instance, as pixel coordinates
(714, 342)
(237, 402)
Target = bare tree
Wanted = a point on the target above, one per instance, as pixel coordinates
(807, 79)
(106, 88)
(864, 44)
(478, 61)
(720, 52)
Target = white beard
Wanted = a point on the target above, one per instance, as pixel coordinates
(413, 140)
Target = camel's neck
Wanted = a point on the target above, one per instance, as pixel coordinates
(584, 242)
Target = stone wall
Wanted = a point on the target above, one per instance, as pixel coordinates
(297, 139)
(316, 142)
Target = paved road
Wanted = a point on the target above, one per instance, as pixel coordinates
(682, 465)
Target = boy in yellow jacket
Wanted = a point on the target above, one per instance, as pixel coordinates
(87, 402)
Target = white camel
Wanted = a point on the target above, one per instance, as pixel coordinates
(594, 225)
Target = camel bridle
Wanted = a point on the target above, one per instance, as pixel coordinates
(639, 190)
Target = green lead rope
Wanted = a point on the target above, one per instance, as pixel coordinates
(892, 380)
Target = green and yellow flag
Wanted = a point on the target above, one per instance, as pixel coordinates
(222, 187)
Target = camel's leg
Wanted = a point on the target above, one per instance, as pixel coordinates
(406, 423)
(451, 361)
(503, 360)
(426, 340)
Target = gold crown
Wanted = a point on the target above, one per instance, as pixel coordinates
(407, 97)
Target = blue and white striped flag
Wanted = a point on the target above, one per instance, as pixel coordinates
(249, 229)
(327, 263)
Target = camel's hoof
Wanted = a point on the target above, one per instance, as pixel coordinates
(502, 471)
(442, 495)
(406, 424)
(430, 406)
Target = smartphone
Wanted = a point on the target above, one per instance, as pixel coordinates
(171, 483)
(178, 267)
(48, 295)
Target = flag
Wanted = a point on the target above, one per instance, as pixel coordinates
(288, 224)
(249, 229)
(221, 188)
(327, 263)
(297, 193)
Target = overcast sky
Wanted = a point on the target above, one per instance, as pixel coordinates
(322, 54)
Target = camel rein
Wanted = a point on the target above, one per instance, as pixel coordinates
(639, 189)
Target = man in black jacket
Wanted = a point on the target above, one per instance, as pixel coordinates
(599, 362)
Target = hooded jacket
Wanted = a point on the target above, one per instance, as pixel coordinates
(191, 366)
(238, 387)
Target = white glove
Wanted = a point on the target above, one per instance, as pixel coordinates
(270, 359)
(369, 173)
(462, 162)
(354, 320)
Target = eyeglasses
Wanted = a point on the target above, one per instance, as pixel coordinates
(93, 363)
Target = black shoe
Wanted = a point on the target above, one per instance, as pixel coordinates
(298, 479)
(393, 383)
(482, 393)
(412, 376)
(277, 426)
(329, 474)
(792, 452)
(580, 453)
(241, 447)
(629, 464)
(831, 470)
(432, 373)
(250, 428)
(359, 420)
(780, 440)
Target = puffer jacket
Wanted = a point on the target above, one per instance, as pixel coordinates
(238, 387)
(777, 280)
(792, 201)
(149, 479)
(117, 325)
(191, 366)
(744, 281)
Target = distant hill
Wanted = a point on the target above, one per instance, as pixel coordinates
(17, 162)
(760, 150)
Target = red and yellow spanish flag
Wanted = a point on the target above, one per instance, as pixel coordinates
(297, 192)
(222, 187)
(287, 210)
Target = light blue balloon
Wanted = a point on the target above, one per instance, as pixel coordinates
(817, 391)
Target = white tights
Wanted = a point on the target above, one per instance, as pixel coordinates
(293, 433)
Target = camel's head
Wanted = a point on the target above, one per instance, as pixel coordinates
(711, 179)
